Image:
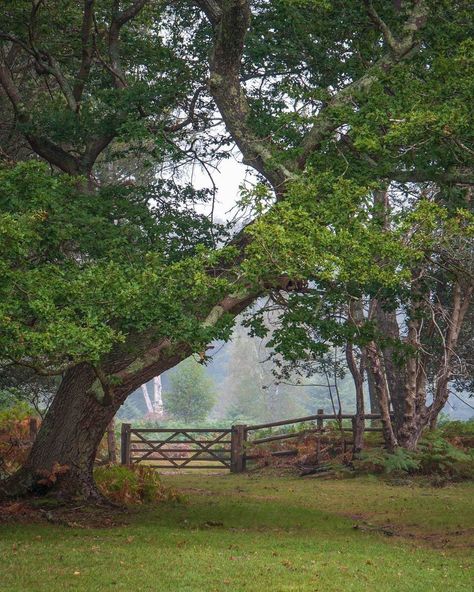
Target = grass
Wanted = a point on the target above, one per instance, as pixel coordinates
(253, 533)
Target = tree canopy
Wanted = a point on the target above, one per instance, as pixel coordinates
(353, 114)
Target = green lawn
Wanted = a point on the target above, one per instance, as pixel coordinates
(252, 533)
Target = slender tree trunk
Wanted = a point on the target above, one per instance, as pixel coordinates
(462, 296)
(357, 376)
(356, 316)
(381, 389)
(374, 402)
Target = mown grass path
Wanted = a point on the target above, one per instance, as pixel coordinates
(258, 533)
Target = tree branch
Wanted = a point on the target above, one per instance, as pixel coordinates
(41, 145)
(230, 21)
(119, 19)
(45, 63)
(87, 50)
(212, 9)
(398, 50)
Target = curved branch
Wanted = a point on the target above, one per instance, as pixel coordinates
(41, 145)
(230, 21)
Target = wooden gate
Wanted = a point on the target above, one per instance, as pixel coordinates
(194, 448)
(209, 448)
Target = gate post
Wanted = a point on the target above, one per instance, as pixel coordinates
(125, 446)
(111, 448)
(237, 448)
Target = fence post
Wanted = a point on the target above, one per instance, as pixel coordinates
(319, 420)
(125, 443)
(237, 448)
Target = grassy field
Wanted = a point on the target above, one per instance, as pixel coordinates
(258, 533)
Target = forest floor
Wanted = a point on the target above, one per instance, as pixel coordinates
(256, 532)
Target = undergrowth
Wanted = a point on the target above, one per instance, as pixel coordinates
(435, 457)
(133, 485)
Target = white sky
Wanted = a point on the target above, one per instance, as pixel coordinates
(228, 178)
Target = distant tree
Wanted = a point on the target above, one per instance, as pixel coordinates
(191, 396)
(252, 392)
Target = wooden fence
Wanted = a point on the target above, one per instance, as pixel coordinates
(213, 448)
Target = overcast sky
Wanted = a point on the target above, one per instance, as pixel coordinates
(229, 177)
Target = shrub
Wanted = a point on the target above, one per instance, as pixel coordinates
(435, 457)
(380, 461)
(459, 433)
(438, 457)
(14, 413)
(133, 485)
(15, 440)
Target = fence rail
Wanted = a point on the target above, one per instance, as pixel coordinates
(195, 448)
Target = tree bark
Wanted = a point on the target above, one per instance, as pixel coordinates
(381, 389)
(356, 315)
(111, 443)
(357, 376)
(374, 402)
(64, 451)
(387, 324)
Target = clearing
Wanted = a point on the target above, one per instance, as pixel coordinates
(255, 532)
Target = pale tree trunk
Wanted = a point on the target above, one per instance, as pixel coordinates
(356, 316)
(461, 301)
(381, 389)
(357, 376)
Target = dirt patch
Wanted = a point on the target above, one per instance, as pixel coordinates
(448, 539)
(71, 515)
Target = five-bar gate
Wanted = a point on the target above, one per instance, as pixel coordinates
(193, 448)
(217, 448)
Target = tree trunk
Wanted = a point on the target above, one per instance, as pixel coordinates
(388, 326)
(381, 389)
(64, 451)
(374, 402)
(357, 376)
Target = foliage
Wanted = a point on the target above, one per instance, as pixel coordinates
(434, 456)
(133, 485)
(380, 461)
(191, 396)
(453, 429)
(23, 385)
(15, 440)
(80, 273)
(15, 412)
(438, 457)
